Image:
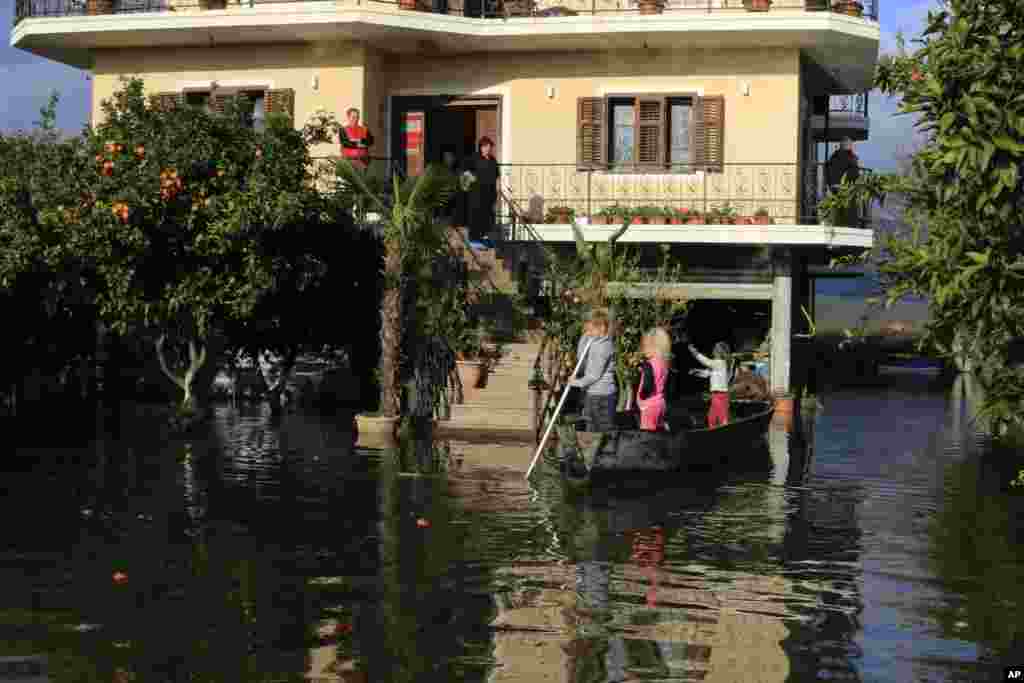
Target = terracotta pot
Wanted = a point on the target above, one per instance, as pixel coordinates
(639, 220)
(759, 5)
(94, 7)
(471, 373)
(675, 220)
(616, 220)
(650, 7)
(408, 4)
(599, 220)
(696, 220)
(763, 220)
(849, 8)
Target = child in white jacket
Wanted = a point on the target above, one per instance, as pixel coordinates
(719, 370)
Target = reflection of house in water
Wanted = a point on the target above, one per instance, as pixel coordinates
(730, 604)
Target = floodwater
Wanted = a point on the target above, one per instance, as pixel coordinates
(883, 545)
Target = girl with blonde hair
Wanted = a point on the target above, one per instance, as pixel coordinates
(656, 346)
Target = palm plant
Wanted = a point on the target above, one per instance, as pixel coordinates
(411, 238)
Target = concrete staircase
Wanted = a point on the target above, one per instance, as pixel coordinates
(502, 403)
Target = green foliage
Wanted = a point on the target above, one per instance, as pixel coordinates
(580, 283)
(181, 221)
(963, 84)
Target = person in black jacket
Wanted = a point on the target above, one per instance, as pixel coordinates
(845, 164)
(483, 194)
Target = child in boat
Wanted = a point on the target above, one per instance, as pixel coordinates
(656, 347)
(719, 371)
(597, 374)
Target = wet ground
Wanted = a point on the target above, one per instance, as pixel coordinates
(882, 544)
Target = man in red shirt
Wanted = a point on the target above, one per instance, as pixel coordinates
(356, 140)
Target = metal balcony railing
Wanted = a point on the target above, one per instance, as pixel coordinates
(530, 194)
(499, 9)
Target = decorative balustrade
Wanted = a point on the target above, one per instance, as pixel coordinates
(502, 9)
(530, 194)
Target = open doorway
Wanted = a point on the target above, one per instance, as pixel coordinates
(423, 128)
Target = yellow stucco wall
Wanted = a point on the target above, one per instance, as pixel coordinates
(762, 135)
(759, 128)
(340, 69)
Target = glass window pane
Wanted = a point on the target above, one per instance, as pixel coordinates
(679, 133)
(197, 99)
(622, 134)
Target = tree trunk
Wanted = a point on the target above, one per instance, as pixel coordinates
(390, 330)
(196, 360)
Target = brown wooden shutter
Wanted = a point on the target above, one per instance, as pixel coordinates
(219, 102)
(591, 137)
(651, 131)
(709, 136)
(168, 100)
(280, 101)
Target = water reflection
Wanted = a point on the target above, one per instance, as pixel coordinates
(859, 548)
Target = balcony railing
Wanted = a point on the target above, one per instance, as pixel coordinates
(843, 104)
(788, 192)
(500, 9)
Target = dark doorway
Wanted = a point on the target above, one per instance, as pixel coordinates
(453, 123)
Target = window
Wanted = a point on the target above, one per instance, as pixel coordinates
(259, 102)
(653, 133)
(200, 99)
(623, 142)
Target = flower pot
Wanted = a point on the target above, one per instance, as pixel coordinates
(696, 220)
(675, 220)
(638, 220)
(408, 4)
(599, 220)
(759, 5)
(93, 7)
(650, 6)
(616, 220)
(849, 8)
(471, 373)
(763, 220)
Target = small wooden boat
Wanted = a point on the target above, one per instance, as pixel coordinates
(629, 451)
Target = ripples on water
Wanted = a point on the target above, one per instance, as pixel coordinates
(872, 549)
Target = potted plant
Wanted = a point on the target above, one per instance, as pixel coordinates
(614, 214)
(761, 217)
(849, 7)
(694, 217)
(94, 7)
(408, 4)
(758, 5)
(560, 215)
(724, 215)
(470, 357)
(650, 6)
(674, 216)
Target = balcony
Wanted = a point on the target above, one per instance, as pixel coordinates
(841, 116)
(68, 30)
(532, 195)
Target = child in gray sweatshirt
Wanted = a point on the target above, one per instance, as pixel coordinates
(597, 374)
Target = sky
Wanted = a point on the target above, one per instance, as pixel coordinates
(30, 80)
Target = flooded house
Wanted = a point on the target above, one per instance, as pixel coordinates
(709, 121)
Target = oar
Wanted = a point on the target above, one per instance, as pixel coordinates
(558, 409)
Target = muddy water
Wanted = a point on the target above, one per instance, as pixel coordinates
(880, 544)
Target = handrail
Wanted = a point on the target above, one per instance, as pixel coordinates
(480, 9)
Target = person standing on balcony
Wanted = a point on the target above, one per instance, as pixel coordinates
(483, 194)
(356, 140)
(844, 164)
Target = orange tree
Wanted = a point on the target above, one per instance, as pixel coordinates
(179, 215)
(964, 85)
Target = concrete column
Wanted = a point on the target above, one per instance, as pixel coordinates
(782, 319)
